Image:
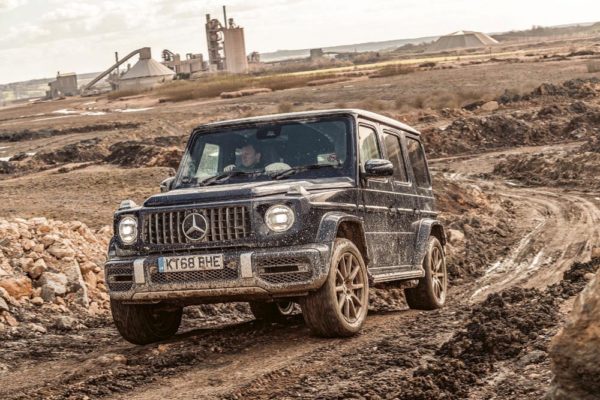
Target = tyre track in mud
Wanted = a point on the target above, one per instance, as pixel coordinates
(252, 360)
(565, 231)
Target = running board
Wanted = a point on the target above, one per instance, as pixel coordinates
(398, 276)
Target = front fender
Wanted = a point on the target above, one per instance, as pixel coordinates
(330, 223)
(424, 230)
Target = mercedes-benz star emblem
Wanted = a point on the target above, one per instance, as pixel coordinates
(194, 226)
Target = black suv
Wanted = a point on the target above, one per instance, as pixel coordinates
(309, 208)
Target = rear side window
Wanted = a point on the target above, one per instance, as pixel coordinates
(367, 142)
(417, 160)
(394, 154)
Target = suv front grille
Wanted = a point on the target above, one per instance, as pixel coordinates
(225, 274)
(224, 224)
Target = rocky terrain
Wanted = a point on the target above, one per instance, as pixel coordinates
(516, 178)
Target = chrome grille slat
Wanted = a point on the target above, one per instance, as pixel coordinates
(224, 224)
(156, 228)
(178, 226)
(164, 228)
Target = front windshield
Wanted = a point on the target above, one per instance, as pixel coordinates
(301, 149)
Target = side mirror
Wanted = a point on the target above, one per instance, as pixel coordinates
(378, 168)
(167, 184)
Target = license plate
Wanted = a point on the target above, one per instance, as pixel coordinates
(190, 263)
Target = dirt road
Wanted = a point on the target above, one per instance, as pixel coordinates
(242, 358)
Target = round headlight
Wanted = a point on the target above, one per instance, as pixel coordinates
(279, 218)
(128, 229)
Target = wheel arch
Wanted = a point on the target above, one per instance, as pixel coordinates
(427, 228)
(340, 225)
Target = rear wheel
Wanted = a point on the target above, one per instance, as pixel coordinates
(272, 312)
(340, 306)
(430, 293)
(145, 323)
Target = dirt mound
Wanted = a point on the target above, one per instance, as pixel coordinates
(27, 134)
(471, 134)
(574, 88)
(508, 326)
(84, 151)
(574, 279)
(501, 326)
(142, 154)
(575, 350)
(480, 227)
(574, 169)
(51, 274)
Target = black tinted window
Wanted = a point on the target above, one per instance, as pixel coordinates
(367, 143)
(417, 160)
(394, 154)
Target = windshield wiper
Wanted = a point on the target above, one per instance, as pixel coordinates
(225, 176)
(294, 170)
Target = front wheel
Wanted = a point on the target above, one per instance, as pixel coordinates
(145, 323)
(339, 307)
(430, 293)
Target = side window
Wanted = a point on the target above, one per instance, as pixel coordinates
(417, 159)
(394, 153)
(367, 143)
(209, 162)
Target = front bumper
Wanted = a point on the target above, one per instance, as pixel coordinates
(247, 275)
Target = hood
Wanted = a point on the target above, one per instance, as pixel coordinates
(246, 190)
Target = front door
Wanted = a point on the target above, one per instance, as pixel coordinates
(406, 203)
(378, 202)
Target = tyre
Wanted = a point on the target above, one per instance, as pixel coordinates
(430, 293)
(272, 312)
(339, 307)
(145, 323)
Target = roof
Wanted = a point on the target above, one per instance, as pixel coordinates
(147, 68)
(462, 40)
(308, 114)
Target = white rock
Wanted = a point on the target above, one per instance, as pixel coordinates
(60, 251)
(37, 269)
(53, 284)
(490, 106)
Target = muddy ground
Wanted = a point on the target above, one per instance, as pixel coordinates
(523, 221)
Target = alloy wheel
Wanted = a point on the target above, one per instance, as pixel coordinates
(350, 288)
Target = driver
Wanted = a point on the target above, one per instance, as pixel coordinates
(250, 158)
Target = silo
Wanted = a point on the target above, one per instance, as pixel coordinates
(235, 50)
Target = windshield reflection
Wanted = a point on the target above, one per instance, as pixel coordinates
(303, 149)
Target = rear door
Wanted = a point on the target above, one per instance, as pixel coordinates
(378, 200)
(406, 203)
(419, 175)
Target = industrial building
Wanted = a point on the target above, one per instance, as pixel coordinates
(192, 63)
(226, 53)
(462, 40)
(226, 45)
(145, 74)
(64, 85)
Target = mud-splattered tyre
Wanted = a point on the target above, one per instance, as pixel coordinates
(272, 312)
(430, 293)
(339, 307)
(145, 323)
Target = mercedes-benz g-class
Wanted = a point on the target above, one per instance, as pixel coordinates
(304, 208)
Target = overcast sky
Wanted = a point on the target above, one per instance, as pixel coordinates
(40, 37)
